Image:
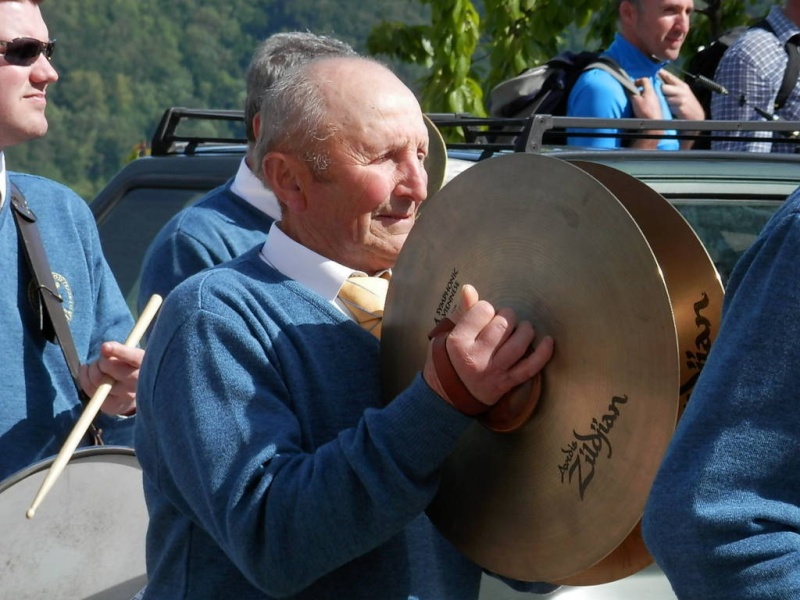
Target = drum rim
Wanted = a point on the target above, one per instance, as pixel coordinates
(79, 454)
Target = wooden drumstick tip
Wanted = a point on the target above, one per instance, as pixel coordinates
(91, 409)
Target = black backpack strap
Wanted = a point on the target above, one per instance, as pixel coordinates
(52, 320)
(613, 68)
(792, 72)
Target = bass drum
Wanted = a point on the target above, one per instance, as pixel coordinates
(87, 539)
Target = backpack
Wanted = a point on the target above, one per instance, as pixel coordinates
(703, 67)
(545, 89)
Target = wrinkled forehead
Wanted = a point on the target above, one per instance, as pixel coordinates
(391, 122)
(363, 100)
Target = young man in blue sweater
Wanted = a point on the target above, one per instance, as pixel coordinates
(723, 518)
(272, 466)
(234, 217)
(39, 402)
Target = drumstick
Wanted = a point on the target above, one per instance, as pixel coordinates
(91, 410)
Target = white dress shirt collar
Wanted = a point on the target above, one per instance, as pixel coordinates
(305, 266)
(246, 185)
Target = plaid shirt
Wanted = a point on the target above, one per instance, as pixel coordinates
(752, 69)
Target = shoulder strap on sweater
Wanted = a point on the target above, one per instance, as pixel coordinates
(52, 320)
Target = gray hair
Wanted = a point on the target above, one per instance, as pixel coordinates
(295, 119)
(276, 56)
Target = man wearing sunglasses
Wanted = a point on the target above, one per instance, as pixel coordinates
(40, 402)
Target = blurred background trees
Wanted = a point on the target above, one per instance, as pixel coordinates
(468, 48)
(122, 63)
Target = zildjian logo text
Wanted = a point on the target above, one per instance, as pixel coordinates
(581, 453)
(695, 361)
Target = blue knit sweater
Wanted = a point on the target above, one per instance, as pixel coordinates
(723, 519)
(213, 230)
(272, 468)
(39, 400)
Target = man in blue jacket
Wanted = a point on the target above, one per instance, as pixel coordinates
(39, 402)
(273, 467)
(651, 33)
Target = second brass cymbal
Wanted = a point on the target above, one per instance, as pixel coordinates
(696, 295)
(547, 239)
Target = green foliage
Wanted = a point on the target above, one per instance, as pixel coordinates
(714, 17)
(516, 34)
(121, 63)
(468, 55)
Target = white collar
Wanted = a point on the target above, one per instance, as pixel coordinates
(249, 187)
(305, 266)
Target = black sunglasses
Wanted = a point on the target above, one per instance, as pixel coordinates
(24, 51)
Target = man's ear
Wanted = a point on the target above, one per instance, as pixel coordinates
(626, 11)
(285, 175)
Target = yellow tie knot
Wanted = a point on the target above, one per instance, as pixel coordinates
(364, 297)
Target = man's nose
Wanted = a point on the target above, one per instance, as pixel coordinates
(42, 70)
(415, 179)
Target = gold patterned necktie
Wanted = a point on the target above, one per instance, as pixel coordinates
(364, 297)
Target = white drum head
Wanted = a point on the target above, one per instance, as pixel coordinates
(87, 539)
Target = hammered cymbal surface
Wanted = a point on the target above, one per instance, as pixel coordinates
(545, 238)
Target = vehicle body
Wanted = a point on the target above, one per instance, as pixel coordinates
(726, 198)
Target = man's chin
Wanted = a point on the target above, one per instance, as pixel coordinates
(26, 135)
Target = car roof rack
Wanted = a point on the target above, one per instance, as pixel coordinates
(487, 134)
(531, 134)
(166, 141)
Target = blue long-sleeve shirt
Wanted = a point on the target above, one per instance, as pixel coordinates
(598, 94)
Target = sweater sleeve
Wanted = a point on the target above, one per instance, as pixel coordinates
(724, 513)
(172, 257)
(217, 400)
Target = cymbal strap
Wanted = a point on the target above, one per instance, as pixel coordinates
(507, 415)
(456, 393)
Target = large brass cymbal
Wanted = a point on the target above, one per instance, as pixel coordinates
(696, 295)
(545, 238)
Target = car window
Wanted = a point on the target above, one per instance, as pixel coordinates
(128, 229)
(726, 227)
